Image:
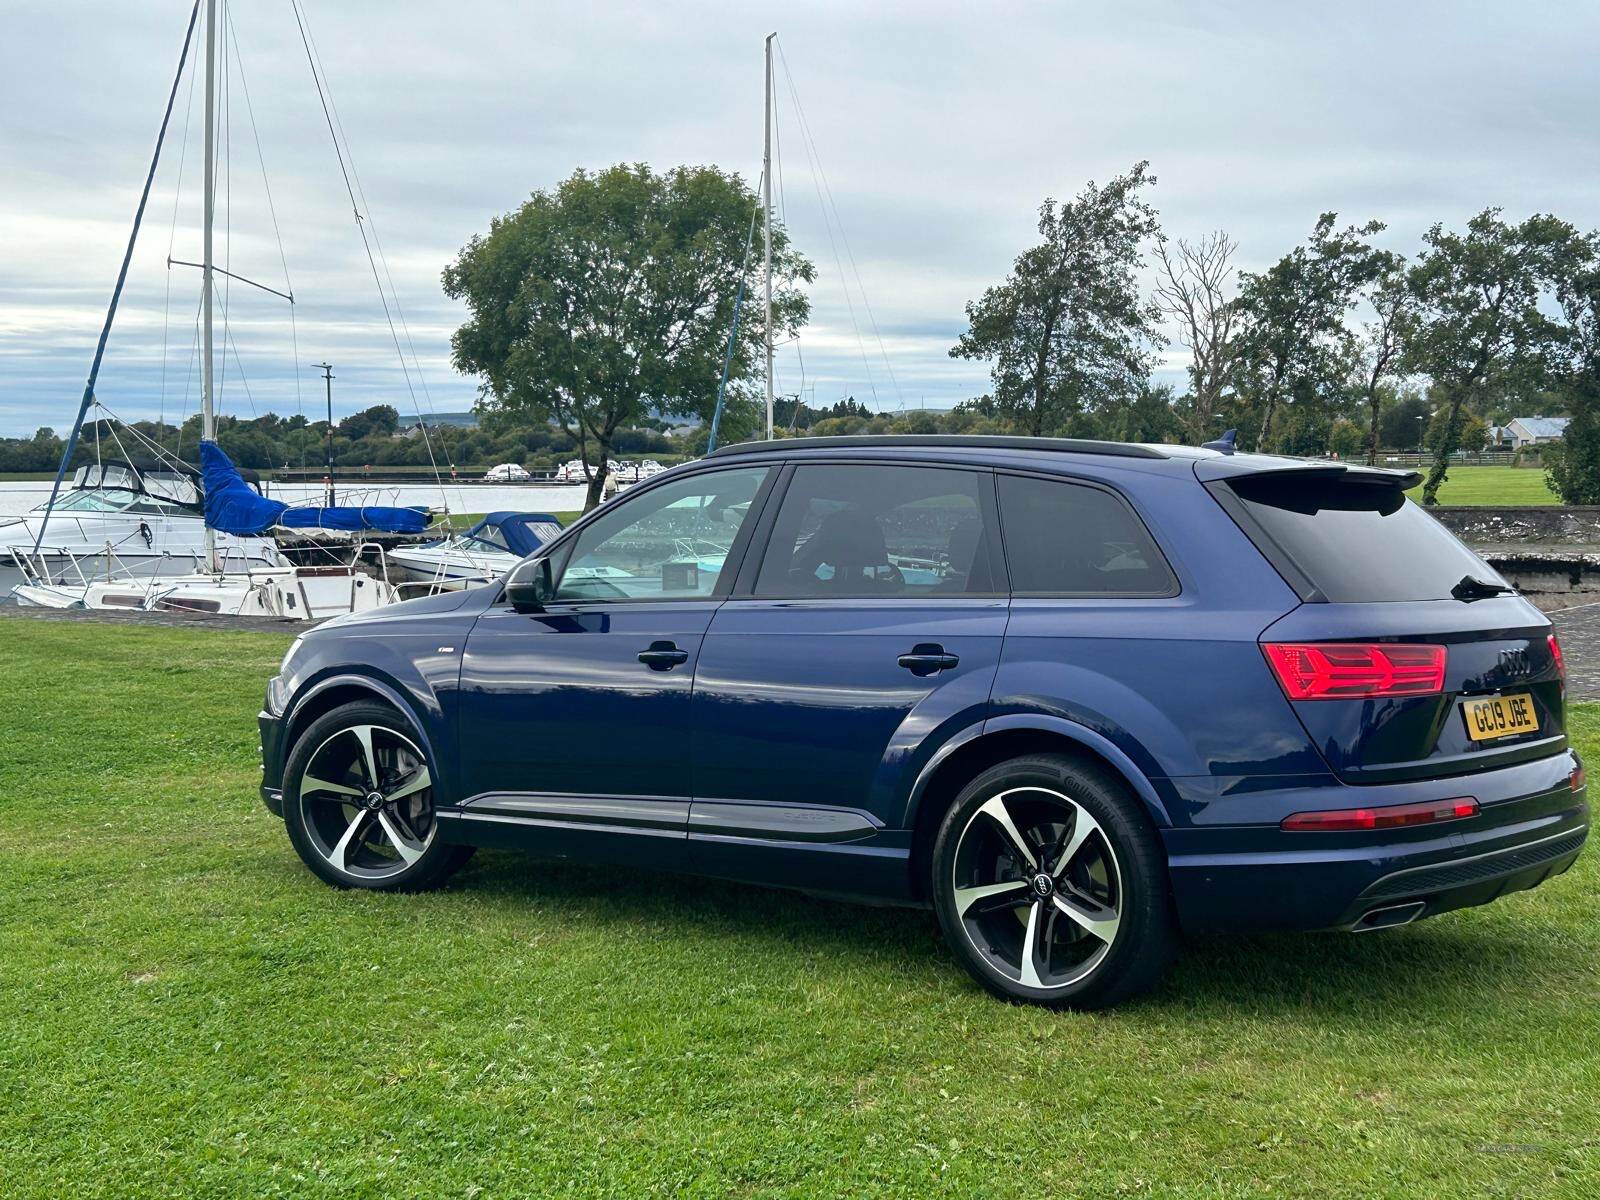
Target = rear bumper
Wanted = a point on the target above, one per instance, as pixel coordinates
(1461, 883)
(1238, 877)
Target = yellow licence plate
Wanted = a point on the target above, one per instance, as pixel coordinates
(1499, 716)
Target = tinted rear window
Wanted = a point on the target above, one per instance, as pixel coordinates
(1357, 542)
(1064, 539)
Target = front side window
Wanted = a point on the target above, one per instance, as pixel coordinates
(881, 531)
(670, 543)
(1065, 539)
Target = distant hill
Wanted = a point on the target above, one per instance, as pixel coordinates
(456, 420)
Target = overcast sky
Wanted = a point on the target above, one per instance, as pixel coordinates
(939, 128)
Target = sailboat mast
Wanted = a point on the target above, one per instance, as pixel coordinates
(208, 417)
(766, 225)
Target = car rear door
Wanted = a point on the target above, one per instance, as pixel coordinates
(1470, 672)
(873, 619)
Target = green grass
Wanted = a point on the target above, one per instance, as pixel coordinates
(185, 1011)
(1493, 486)
(468, 520)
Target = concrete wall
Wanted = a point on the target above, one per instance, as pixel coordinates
(1550, 553)
(1547, 525)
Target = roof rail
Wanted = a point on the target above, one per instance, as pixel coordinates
(950, 441)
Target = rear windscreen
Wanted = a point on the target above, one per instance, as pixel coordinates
(1356, 542)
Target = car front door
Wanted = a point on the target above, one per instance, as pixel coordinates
(577, 717)
(873, 620)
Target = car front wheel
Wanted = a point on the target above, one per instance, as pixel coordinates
(1050, 885)
(358, 803)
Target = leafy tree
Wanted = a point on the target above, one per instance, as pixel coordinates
(381, 420)
(610, 297)
(1149, 415)
(1481, 324)
(1384, 337)
(1573, 464)
(1346, 439)
(1193, 291)
(1474, 430)
(1295, 346)
(1068, 331)
(1404, 417)
(1304, 429)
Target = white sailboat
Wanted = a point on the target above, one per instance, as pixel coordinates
(217, 572)
(485, 552)
(116, 519)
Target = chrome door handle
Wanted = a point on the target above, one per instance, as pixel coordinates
(927, 658)
(663, 656)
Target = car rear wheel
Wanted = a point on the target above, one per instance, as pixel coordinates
(1050, 885)
(358, 803)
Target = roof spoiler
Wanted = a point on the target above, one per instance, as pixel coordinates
(1235, 468)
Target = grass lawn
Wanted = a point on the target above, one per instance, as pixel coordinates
(186, 1011)
(1492, 486)
(464, 521)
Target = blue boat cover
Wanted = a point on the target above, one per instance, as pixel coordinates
(233, 506)
(521, 530)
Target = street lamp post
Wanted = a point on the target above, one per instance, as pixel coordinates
(327, 379)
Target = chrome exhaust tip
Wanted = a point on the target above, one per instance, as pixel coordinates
(1389, 917)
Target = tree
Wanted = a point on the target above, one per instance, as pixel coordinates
(381, 420)
(1068, 330)
(1573, 464)
(1404, 419)
(1295, 345)
(1474, 430)
(1193, 290)
(1345, 439)
(610, 297)
(1481, 327)
(1384, 338)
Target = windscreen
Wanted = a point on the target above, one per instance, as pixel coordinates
(1357, 542)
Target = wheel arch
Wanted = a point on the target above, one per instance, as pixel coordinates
(336, 691)
(974, 751)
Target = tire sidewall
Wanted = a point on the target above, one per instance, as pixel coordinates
(1142, 947)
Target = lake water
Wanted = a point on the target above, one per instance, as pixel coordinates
(19, 497)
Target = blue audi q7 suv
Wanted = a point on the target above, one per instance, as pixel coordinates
(1075, 696)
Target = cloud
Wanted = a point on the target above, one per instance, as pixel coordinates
(940, 128)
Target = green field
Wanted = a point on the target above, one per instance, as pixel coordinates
(185, 1011)
(1493, 486)
(464, 521)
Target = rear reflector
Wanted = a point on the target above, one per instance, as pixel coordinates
(1356, 670)
(1555, 657)
(1576, 780)
(1393, 816)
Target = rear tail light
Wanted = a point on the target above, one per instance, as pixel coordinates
(1576, 779)
(1393, 816)
(1555, 657)
(1356, 670)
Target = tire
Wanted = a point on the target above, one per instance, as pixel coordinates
(347, 837)
(1099, 923)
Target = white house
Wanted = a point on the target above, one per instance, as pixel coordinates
(1521, 432)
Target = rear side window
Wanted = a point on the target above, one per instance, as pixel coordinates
(873, 530)
(1355, 542)
(1068, 539)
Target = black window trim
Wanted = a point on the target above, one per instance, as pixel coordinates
(1171, 593)
(988, 500)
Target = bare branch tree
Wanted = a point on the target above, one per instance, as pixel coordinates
(1193, 290)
